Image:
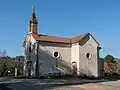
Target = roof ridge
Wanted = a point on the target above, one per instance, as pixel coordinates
(54, 36)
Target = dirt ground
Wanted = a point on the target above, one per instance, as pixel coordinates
(111, 85)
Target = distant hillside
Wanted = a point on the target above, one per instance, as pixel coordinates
(13, 59)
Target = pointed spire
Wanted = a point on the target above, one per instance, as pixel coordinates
(33, 12)
(33, 18)
(33, 24)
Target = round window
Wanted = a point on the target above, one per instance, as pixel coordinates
(88, 55)
(56, 54)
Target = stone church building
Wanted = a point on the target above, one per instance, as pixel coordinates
(44, 54)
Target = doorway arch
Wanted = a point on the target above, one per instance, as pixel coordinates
(74, 68)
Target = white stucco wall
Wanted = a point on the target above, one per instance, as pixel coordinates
(75, 54)
(88, 66)
(29, 39)
(48, 62)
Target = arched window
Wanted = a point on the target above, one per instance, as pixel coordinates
(30, 48)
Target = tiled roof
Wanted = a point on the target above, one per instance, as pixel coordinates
(58, 39)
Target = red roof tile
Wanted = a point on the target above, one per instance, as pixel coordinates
(58, 39)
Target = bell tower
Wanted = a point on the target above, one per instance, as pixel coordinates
(33, 24)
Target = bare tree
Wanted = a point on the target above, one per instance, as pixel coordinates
(3, 54)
